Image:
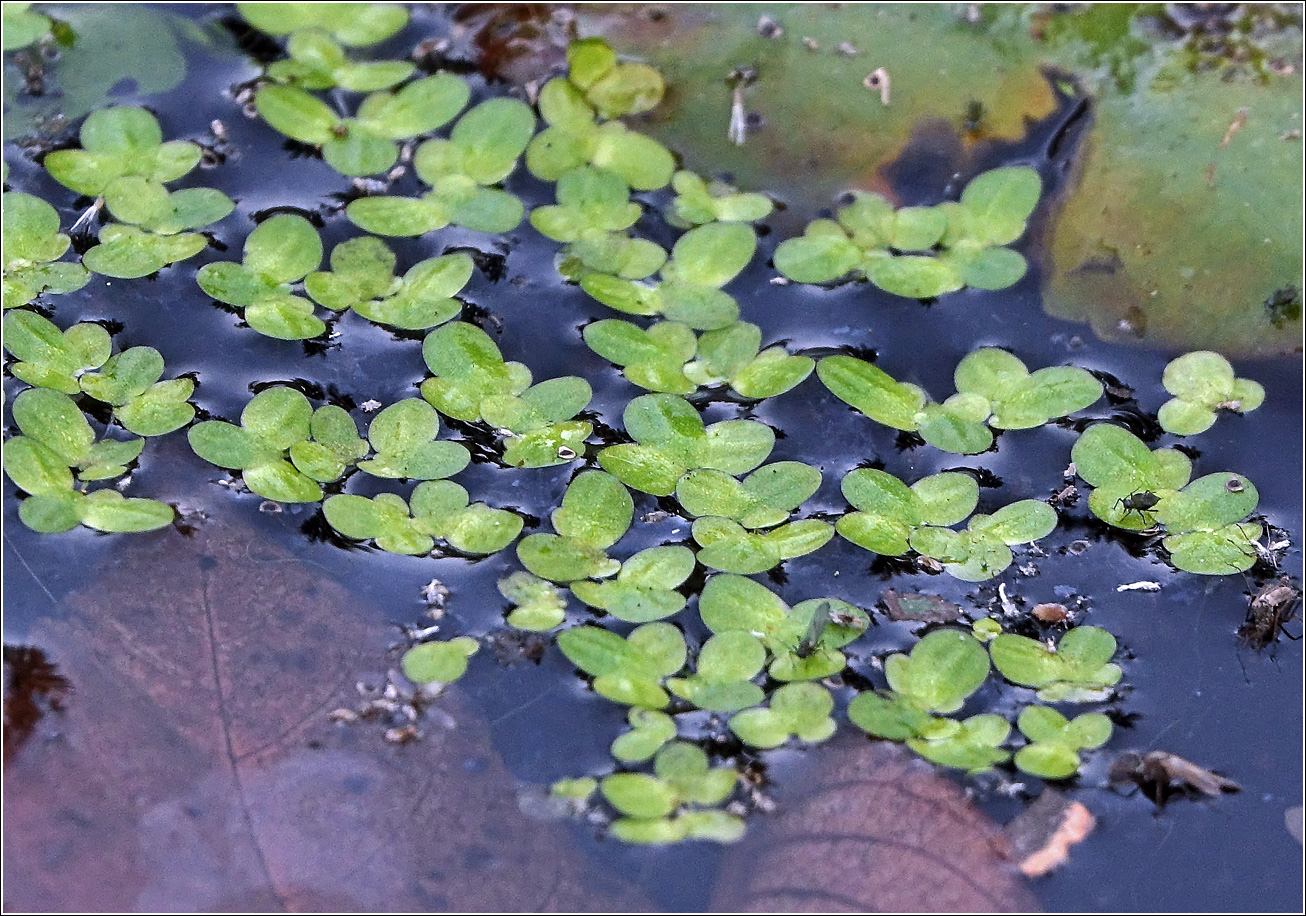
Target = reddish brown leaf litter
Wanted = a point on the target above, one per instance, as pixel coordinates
(873, 829)
(1042, 834)
(197, 767)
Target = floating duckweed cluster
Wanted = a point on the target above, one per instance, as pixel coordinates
(767, 670)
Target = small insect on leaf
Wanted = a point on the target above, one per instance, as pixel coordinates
(820, 617)
(1139, 502)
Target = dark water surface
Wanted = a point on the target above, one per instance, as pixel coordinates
(1191, 688)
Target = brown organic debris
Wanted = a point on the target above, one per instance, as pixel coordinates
(1051, 612)
(1162, 775)
(1041, 836)
(33, 687)
(922, 607)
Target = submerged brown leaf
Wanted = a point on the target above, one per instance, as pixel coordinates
(873, 829)
(199, 768)
(922, 607)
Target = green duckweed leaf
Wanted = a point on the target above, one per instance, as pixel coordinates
(764, 499)
(711, 255)
(143, 404)
(50, 513)
(273, 422)
(118, 142)
(612, 87)
(127, 252)
(652, 359)
(890, 715)
(940, 672)
(732, 602)
(469, 368)
(281, 250)
(32, 241)
(576, 790)
(441, 661)
(1053, 751)
(972, 747)
(539, 605)
(109, 510)
(672, 440)
(50, 358)
(913, 277)
(23, 27)
(563, 559)
(1208, 503)
(298, 115)
(148, 204)
(1228, 549)
(1017, 523)
(398, 216)
(318, 62)
(403, 437)
(712, 826)
(645, 587)
(722, 682)
(627, 670)
(917, 228)
(730, 354)
(1202, 383)
(698, 201)
(872, 391)
(801, 710)
(650, 730)
(354, 24)
(989, 268)
(1105, 454)
(53, 419)
(890, 512)
(639, 795)
(362, 278)
(588, 199)
(685, 767)
(641, 161)
(818, 257)
(596, 510)
(998, 203)
(612, 253)
(727, 546)
(37, 469)
(441, 506)
(1078, 668)
(484, 145)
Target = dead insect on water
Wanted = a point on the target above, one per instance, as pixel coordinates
(1161, 775)
(1269, 612)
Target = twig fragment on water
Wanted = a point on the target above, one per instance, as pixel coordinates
(1143, 585)
(878, 81)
